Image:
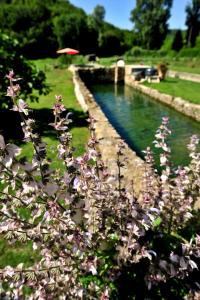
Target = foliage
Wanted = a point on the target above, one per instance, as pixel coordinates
(99, 14)
(177, 43)
(106, 40)
(61, 25)
(167, 43)
(21, 21)
(94, 237)
(150, 22)
(10, 57)
(69, 34)
(189, 52)
(192, 22)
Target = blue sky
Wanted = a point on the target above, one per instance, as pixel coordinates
(118, 11)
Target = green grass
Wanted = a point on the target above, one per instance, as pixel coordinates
(60, 83)
(185, 89)
(15, 254)
(188, 68)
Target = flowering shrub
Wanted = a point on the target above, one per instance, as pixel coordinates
(95, 240)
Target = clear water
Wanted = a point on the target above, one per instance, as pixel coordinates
(136, 117)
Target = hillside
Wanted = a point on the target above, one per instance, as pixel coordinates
(41, 27)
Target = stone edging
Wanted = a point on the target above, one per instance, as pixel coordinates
(181, 105)
(109, 139)
(184, 75)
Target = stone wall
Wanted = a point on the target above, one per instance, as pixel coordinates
(185, 76)
(109, 140)
(181, 105)
(102, 74)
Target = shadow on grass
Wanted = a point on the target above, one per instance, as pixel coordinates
(11, 129)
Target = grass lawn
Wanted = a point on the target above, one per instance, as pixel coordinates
(60, 82)
(176, 87)
(186, 66)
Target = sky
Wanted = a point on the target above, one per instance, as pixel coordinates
(118, 11)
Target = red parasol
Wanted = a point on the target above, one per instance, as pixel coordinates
(67, 51)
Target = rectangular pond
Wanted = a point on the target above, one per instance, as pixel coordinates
(136, 118)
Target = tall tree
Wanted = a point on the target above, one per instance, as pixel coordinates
(192, 22)
(150, 20)
(177, 43)
(99, 14)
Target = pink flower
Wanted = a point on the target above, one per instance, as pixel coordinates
(21, 107)
(13, 91)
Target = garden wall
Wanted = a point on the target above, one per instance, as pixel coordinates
(101, 74)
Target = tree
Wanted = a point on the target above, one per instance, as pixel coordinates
(177, 43)
(150, 20)
(11, 58)
(99, 14)
(110, 43)
(21, 21)
(71, 31)
(192, 22)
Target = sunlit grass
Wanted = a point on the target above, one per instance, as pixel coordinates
(15, 254)
(176, 87)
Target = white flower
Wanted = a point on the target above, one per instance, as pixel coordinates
(8, 271)
(93, 270)
(21, 107)
(164, 177)
(35, 246)
(163, 159)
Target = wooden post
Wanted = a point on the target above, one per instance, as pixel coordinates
(116, 74)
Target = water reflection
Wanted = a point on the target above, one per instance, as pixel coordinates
(136, 117)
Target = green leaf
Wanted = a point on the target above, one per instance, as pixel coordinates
(157, 222)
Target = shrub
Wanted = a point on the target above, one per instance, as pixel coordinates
(189, 52)
(10, 56)
(95, 240)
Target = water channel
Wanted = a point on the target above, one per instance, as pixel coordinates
(136, 118)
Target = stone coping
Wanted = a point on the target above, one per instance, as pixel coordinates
(187, 108)
(109, 139)
(185, 76)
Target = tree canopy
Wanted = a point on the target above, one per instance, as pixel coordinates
(177, 43)
(43, 26)
(31, 81)
(99, 13)
(150, 21)
(192, 22)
